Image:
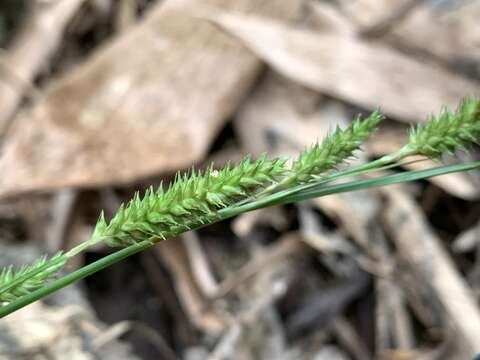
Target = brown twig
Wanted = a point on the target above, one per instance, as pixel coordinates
(422, 250)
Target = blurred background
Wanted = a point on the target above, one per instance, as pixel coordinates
(101, 98)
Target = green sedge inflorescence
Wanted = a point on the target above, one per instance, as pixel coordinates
(448, 132)
(191, 200)
(197, 198)
(17, 283)
(336, 148)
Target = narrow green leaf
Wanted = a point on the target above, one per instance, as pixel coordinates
(270, 200)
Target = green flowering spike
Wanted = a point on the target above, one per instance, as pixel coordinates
(448, 132)
(31, 283)
(335, 149)
(190, 200)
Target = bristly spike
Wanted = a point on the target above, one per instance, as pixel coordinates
(447, 133)
(33, 282)
(336, 148)
(191, 199)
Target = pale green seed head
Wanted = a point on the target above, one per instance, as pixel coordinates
(447, 133)
(189, 201)
(335, 149)
(51, 267)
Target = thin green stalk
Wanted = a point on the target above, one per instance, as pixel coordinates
(283, 197)
(294, 194)
(381, 181)
(83, 246)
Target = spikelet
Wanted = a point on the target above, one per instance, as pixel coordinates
(191, 200)
(336, 148)
(31, 283)
(448, 132)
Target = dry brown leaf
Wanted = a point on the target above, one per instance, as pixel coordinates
(369, 12)
(152, 100)
(450, 34)
(363, 73)
(326, 17)
(280, 116)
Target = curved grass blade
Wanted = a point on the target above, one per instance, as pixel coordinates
(381, 181)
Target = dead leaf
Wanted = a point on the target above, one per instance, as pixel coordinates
(150, 101)
(364, 73)
(280, 116)
(449, 32)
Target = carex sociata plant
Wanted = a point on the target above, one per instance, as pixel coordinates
(196, 199)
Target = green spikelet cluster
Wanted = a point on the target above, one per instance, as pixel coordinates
(191, 200)
(30, 283)
(447, 133)
(335, 149)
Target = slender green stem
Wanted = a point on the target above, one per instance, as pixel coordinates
(83, 246)
(381, 181)
(292, 195)
(283, 197)
(361, 170)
